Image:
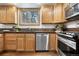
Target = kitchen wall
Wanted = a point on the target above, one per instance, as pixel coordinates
(73, 24)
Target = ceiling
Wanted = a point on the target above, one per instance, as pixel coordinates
(27, 5)
(24, 5)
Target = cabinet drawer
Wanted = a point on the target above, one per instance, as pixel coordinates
(10, 35)
(10, 38)
(30, 35)
(10, 42)
(10, 47)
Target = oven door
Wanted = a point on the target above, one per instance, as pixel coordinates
(66, 50)
(62, 48)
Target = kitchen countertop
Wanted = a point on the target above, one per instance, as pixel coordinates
(28, 31)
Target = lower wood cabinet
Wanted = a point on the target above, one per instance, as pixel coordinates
(52, 41)
(10, 41)
(20, 42)
(30, 42)
(1, 42)
(25, 41)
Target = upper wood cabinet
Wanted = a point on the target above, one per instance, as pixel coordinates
(3, 14)
(59, 13)
(30, 42)
(47, 14)
(8, 14)
(11, 15)
(53, 13)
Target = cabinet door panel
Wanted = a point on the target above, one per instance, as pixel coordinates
(59, 13)
(2, 14)
(30, 42)
(20, 41)
(47, 14)
(52, 42)
(20, 44)
(10, 47)
(10, 15)
(1, 44)
(10, 44)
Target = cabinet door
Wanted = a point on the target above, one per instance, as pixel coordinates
(10, 41)
(52, 41)
(10, 15)
(59, 13)
(30, 42)
(2, 14)
(47, 14)
(20, 42)
(1, 44)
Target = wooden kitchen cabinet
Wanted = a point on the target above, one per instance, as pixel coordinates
(47, 14)
(8, 14)
(30, 42)
(52, 42)
(2, 14)
(1, 42)
(20, 42)
(59, 13)
(11, 15)
(10, 41)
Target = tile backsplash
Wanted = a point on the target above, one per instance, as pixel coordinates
(40, 26)
(6, 25)
(73, 24)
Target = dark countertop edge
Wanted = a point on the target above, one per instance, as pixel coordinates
(27, 32)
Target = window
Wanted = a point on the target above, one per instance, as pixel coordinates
(29, 16)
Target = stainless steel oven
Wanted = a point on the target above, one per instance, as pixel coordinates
(68, 44)
(66, 50)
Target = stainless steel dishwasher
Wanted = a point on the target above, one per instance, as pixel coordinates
(42, 40)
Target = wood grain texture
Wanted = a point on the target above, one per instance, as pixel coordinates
(30, 42)
(10, 41)
(59, 13)
(52, 41)
(7, 14)
(20, 42)
(47, 14)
